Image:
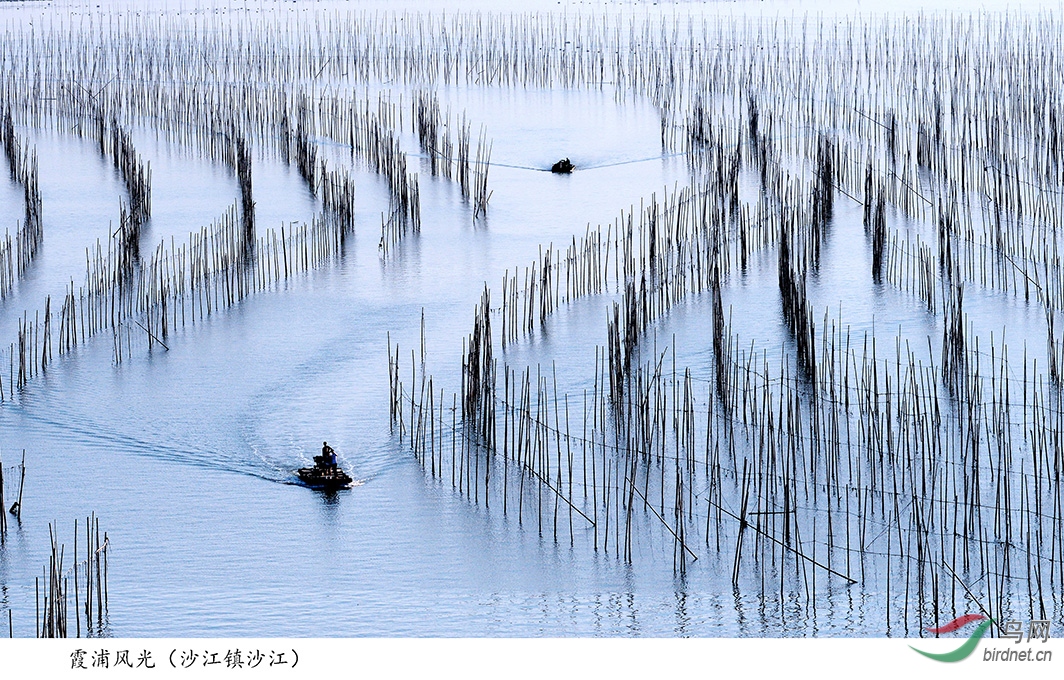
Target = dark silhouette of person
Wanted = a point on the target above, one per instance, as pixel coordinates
(328, 456)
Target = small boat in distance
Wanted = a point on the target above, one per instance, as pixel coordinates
(325, 474)
(562, 167)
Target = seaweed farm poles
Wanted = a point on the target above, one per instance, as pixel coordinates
(135, 173)
(479, 380)
(16, 255)
(216, 268)
(433, 131)
(481, 195)
(88, 577)
(247, 200)
(826, 454)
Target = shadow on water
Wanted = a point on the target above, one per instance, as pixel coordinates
(683, 617)
(331, 499)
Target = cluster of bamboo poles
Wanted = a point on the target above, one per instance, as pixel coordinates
(180, 284)
(844, 462)
(370, 132)
(649, 56)
(433, 129)
(215, 269)
(128, 294)
(89, 576)
(863, 470)
(517, 459)
(206, 114)
(134, 171)
(1013, 247)
(16, 254)
(31, 352)
(334, 188)
(915, 275)
(659, 252)
(481, 194)
(242, 167)
(116, 144)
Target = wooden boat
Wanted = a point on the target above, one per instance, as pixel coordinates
(324, 476)
(562, 167)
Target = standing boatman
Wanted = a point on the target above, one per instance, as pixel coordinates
(328, 456)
